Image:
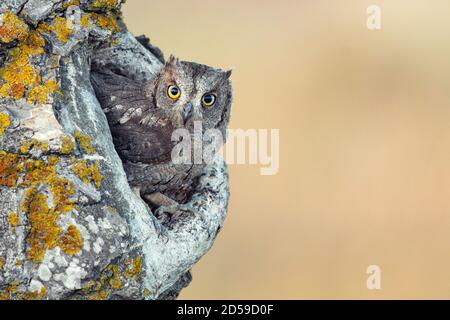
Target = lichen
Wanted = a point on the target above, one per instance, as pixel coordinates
(88, 173)
(62, 28)
(12, 28)
(85, 142)
(9, 169)
(113, 278)
(2, 263)
(5, 122)
(13, 219)
(104, 4)
(42, 212)
(133, 267)
(71, 241)
(20, 77)
(28, 145)
(40, 93)
(67, 145)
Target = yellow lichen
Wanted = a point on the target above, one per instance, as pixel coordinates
(42, 212)
(133, 267)
(62, 28)
(13, 219)
(84, 141)
(2, 263)
(39, 94)
(104, 4)
(12, 28)
(5, 122)
(71, 241)
(9, 291)
(34, 295)
(66, 145)
(85, 21)
(71, 3)
(28, 145)
(88, 173)
(116, 281)
(19, 76)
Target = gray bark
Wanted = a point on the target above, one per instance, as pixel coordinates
(118, 231)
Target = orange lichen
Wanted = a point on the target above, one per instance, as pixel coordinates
(12, 28)
(13, 219)
(5, 122)
(16, 291)
(9, 291)
(67, 145)
(89, 173)
(71, 241)
(9, 169)
(84, 141)
(44, 229)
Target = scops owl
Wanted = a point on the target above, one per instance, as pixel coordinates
(143, 116)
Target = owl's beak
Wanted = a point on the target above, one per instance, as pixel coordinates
(187, 112)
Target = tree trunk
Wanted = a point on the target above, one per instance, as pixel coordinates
(70, 226)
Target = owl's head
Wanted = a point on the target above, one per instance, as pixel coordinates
(192, 92)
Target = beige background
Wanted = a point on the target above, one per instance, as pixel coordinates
(365, 143)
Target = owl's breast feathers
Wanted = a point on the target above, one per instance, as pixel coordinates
(140, 131)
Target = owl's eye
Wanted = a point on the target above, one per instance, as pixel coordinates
(173, 92)
(208, 100)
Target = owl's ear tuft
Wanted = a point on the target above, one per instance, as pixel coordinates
(172, 61)
(228, 73)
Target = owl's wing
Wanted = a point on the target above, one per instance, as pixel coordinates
(139, 130)
(118, 94)
(137, 142)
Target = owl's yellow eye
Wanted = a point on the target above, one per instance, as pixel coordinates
(208, 100)
(173, 92)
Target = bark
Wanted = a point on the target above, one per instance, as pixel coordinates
(70, 226)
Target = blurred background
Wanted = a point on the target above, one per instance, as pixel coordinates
(364, 119)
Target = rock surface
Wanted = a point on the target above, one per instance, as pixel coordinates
(70, 226)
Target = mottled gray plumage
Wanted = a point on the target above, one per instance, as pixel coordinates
(143, 115)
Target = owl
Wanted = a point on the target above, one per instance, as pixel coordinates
(143, 116)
